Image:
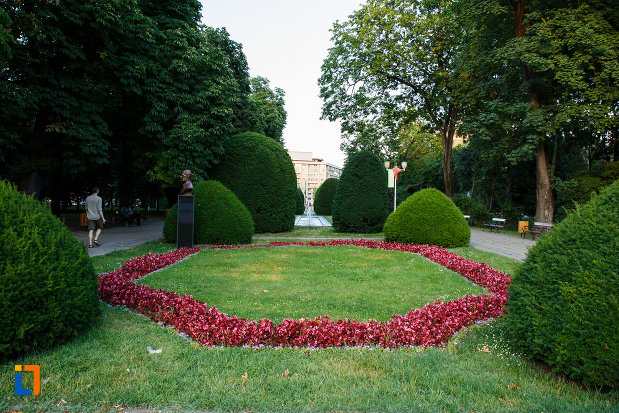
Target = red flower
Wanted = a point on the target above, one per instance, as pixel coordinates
(432, 325)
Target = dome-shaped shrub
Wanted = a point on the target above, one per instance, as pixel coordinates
(563, 306)
(171, 222)
(428, 217)
(48, 286)
(219, 217)
(300, 208)
(323, 202)
(361, 202)
(260, 173)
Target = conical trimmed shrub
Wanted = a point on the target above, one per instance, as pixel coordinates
(260, 173)
(361, 202)
(219, 217)
(300, 208)
(428, 217)
(48, 286)
(323, 205)
(563, 306)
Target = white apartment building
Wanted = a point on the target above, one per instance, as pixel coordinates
(312, 172)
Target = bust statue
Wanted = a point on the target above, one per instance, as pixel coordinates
(187, 188)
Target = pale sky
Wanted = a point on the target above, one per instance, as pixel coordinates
(286, 41)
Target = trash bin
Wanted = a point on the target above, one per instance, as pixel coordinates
(523, 226)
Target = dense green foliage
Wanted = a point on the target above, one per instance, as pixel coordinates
(323, 201)
(300, 208)
(260, 173)
(428, 217)
(170, 224)
(406, 67)
(223, 219)
(124, 95)
(532, 85)
(361, 202)
(267, 115)
(219, 217)
(563, 307)
(48, 286)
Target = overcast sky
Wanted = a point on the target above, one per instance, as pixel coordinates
(286, 41)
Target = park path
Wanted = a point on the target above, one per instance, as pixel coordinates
(119, 237)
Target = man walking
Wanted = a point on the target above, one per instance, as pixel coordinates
(94, 213)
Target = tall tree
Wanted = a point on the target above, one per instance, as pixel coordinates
(533, 69)
(267, 113)
(396, 55)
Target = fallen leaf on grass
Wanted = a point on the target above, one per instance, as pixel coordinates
(245, 376)
(505, 401)
(485, 349)
(286, 373)
(513, 387)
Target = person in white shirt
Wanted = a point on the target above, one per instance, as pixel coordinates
(94, 214)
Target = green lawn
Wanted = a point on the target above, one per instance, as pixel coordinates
(295, 282)
(109, 368)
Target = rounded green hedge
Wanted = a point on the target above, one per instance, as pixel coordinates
(48, 286)
(300, 208)
(260, 173)
(563, 307)
(361, 202)
(323, 203)
(428, 217)
(219, 217)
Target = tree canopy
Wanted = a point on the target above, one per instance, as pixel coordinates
(124, 94)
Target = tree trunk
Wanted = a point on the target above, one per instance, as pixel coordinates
(447, 175)
(448, 137)
(491, 194)
(555, 155)
(510, 181)
(544, 210)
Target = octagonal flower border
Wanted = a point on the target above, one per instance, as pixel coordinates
(432, 325)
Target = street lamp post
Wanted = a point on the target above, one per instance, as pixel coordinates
(396, 171)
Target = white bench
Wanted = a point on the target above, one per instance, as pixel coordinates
(495, 224)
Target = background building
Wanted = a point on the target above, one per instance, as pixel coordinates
(312, 172)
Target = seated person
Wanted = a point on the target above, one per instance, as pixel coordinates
(130, 216)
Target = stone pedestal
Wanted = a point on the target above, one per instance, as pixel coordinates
(184, 223)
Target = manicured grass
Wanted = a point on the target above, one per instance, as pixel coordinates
(296, 281)
(110, 366)
(499, 262)
(107, 262)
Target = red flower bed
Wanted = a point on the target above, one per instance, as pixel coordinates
(431, 325)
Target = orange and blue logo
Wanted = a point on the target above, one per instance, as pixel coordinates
(19, 391)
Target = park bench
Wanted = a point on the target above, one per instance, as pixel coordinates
(495, 224)
(468, 219)
(539, 228)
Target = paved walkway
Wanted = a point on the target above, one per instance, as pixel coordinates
(120, 238)
(311, 221)
(502, 244)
